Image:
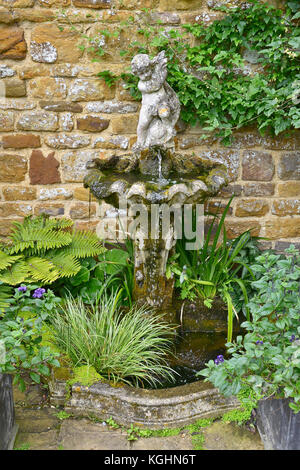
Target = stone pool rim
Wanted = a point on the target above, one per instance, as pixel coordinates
(153, 409)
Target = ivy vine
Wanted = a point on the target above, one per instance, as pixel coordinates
(239, 70)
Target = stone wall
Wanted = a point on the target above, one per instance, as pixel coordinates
(58, 114)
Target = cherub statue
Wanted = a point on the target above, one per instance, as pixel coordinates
(160, 106)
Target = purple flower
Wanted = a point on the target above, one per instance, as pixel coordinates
(259, 342)
(38, 293)
(292, 338)
(22, 289)
(219, 359)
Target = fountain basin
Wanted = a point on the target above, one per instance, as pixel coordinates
(151, 409)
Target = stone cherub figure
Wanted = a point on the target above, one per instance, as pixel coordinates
(160, 106)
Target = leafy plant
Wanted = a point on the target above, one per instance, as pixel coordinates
(110, 271)
(42, 250)
(267, 359)
(213, 269)
(21, 349)
(128, 347)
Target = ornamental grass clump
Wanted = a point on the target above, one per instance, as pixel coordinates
(126, 347)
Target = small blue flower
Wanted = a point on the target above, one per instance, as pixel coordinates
(292, 338)
(38, 293)
(219, 359)
(259, 342)
(22, 289)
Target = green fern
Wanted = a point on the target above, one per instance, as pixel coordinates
(40, 269)
(44, 249)
(37, 240)
(5, 295)
(65, 265)
(84, 244)
(7, 260)
(15, 274)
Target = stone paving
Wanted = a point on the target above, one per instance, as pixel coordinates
(41, 428)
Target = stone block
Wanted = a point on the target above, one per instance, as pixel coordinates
(51, 194)
(21, 141)
(108, 107)
(54, 3)
(284, 207)
(259, 189)
(82, 210)
(43, 170)
(17, 3)
(83, 194)
(90, 90)
(6, 226)
(66, 122)
(11, 209)
(251, 208)
(49, 44)
(12, 43)
(15, 88)
(126, 124)
(92, 124)
(234, 228)
(289, 189)
(18, 105)
(65, 141)
(118, 142)
(289, 166)
(18, 193)
(93, 3)
(7, 121)
(52, 209)
(257, 166)
(48, 88)
(38, 121)
(276, 228)
(13, 168)
(169, 5)
(61, 106)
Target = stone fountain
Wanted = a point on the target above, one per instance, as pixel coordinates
(153, 175)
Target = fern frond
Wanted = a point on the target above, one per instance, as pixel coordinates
(40, 269)
(84, 244)
(5, 295)
(15, 274)
(37, 239)
(65, 265)
(7, 260)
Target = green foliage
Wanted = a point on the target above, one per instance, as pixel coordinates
(5, 295)
(248, 400)
(110, 271)
(267, 359)
(213, 269)
(209, 67)
(42, 250)
(63, 415)
(85, 375)
(21, 337)
(128, 347)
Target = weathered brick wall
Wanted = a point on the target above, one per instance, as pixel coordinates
(58, 114)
